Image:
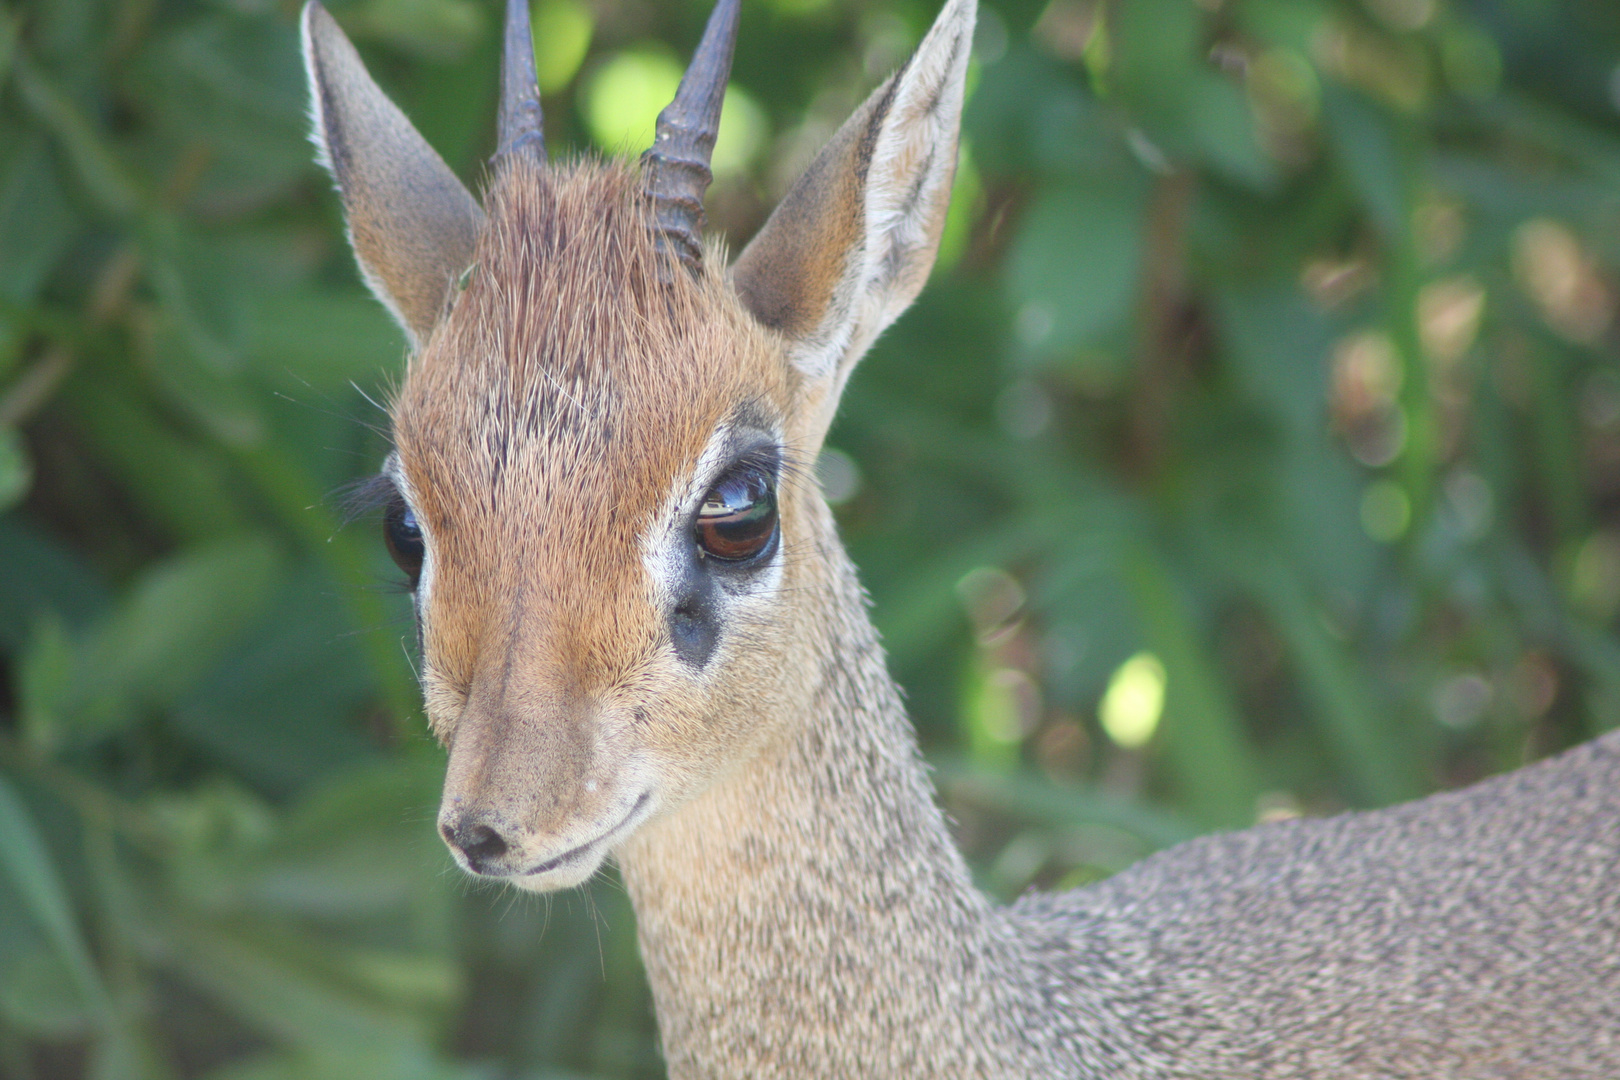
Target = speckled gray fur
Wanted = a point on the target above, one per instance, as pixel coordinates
(1473, 935)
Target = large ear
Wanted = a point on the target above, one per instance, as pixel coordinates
(411, 222)
(852, 243)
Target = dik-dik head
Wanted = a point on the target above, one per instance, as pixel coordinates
(603, 437)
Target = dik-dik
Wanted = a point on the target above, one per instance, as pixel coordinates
(642, 639)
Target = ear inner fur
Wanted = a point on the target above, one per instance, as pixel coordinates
(787, 276)
(412, 224)
(852, 244)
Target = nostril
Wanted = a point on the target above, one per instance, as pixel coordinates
(480, 843)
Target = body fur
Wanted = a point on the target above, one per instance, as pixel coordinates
(810, 917)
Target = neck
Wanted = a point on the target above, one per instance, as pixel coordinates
(809, 915)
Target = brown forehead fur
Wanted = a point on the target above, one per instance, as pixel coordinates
(576, 378)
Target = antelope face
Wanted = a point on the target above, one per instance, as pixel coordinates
(602, 440)
(601, 501)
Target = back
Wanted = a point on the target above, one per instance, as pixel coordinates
(1474, 934)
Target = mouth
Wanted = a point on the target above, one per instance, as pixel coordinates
(575, 854)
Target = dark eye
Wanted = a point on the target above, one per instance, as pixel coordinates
(404, 539)
(738, 518)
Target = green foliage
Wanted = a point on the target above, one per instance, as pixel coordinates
(1277, 342)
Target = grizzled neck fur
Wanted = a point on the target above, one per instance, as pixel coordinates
(809, 915)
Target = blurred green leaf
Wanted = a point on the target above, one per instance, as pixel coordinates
(36, 224)
(437, 29)
(1291, 23)
(30, 872)
(16, 471)
(8, 42)
(38, 578)
(322, 340)
(155, 643)
(223, 407)
(1366, 145)
(1185, 107)
(1202, 734)
(1278, 349)
(562, 36)
(178, 616)
(1073, 272)
(285, 986)
(38, 995)
(183, 488)
(95, 165)
(1038, 800)
(409, 980)
(45, 673)
(352, 851)
(281, 705)
(226, 95)
(1382, 763)
(1225, 133)
(1030, 116)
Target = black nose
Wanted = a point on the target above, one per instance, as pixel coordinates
(481, 844)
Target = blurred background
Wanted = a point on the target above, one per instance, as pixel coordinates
(1254, 452)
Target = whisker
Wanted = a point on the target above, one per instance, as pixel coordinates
(368, 397)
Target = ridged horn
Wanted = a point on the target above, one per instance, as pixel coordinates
(520, 126)
(675, 171)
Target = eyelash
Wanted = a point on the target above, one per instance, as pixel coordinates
(364, 496)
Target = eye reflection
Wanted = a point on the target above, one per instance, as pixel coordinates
(738, 516)
(403, 537)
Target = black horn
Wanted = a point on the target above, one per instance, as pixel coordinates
(676, 169)
(520, 126)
